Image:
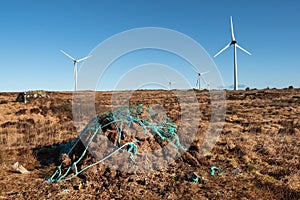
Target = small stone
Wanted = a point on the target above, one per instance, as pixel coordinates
(236, 171)
(20, 168)
(65, 191)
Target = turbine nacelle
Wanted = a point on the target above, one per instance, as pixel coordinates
(233, 42)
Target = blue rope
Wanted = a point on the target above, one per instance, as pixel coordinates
(213, 169)
(166, 130)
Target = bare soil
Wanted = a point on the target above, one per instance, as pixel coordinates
(257, 152)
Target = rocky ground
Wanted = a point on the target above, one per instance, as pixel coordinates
(256, 155)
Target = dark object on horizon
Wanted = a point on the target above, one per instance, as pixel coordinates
(21, 97)
(291, 87)
(247, 89)
(29, 95)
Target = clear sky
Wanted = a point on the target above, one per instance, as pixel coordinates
(33, 32)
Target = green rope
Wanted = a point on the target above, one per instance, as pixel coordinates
(165, 129)
(213, 169)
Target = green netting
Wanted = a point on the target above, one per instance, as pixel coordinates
(120, 118)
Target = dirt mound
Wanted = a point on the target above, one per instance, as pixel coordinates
(131, 139)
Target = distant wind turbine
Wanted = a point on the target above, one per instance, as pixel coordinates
(200, 76)
(208, 85)
(234, 43)
(75, 66)
(170, 83)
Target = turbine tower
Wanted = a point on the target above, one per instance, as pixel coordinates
(200, 76)
(75, 66)
(235, 45)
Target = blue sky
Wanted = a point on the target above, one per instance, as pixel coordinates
(33, 32)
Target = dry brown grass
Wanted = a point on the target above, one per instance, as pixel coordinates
(260, 137)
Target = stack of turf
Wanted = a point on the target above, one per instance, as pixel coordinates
(129, 139)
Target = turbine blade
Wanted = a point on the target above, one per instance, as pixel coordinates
(84, 58)
(204, 80)
(223, 49)
(204, 73)
(232, 31)
(67, 55)
(197, 82)
(241, 48)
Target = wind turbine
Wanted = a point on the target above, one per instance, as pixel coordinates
(208, 85)
(235, 45)
(170, 83)
(75, 66)
(200, 76)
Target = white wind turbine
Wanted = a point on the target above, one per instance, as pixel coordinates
(200, 76)
(75, 66)
(235, 45)
(170, 83)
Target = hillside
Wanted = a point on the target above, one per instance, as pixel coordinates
(257, 152)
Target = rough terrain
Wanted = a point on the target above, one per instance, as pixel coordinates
(257, 152)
